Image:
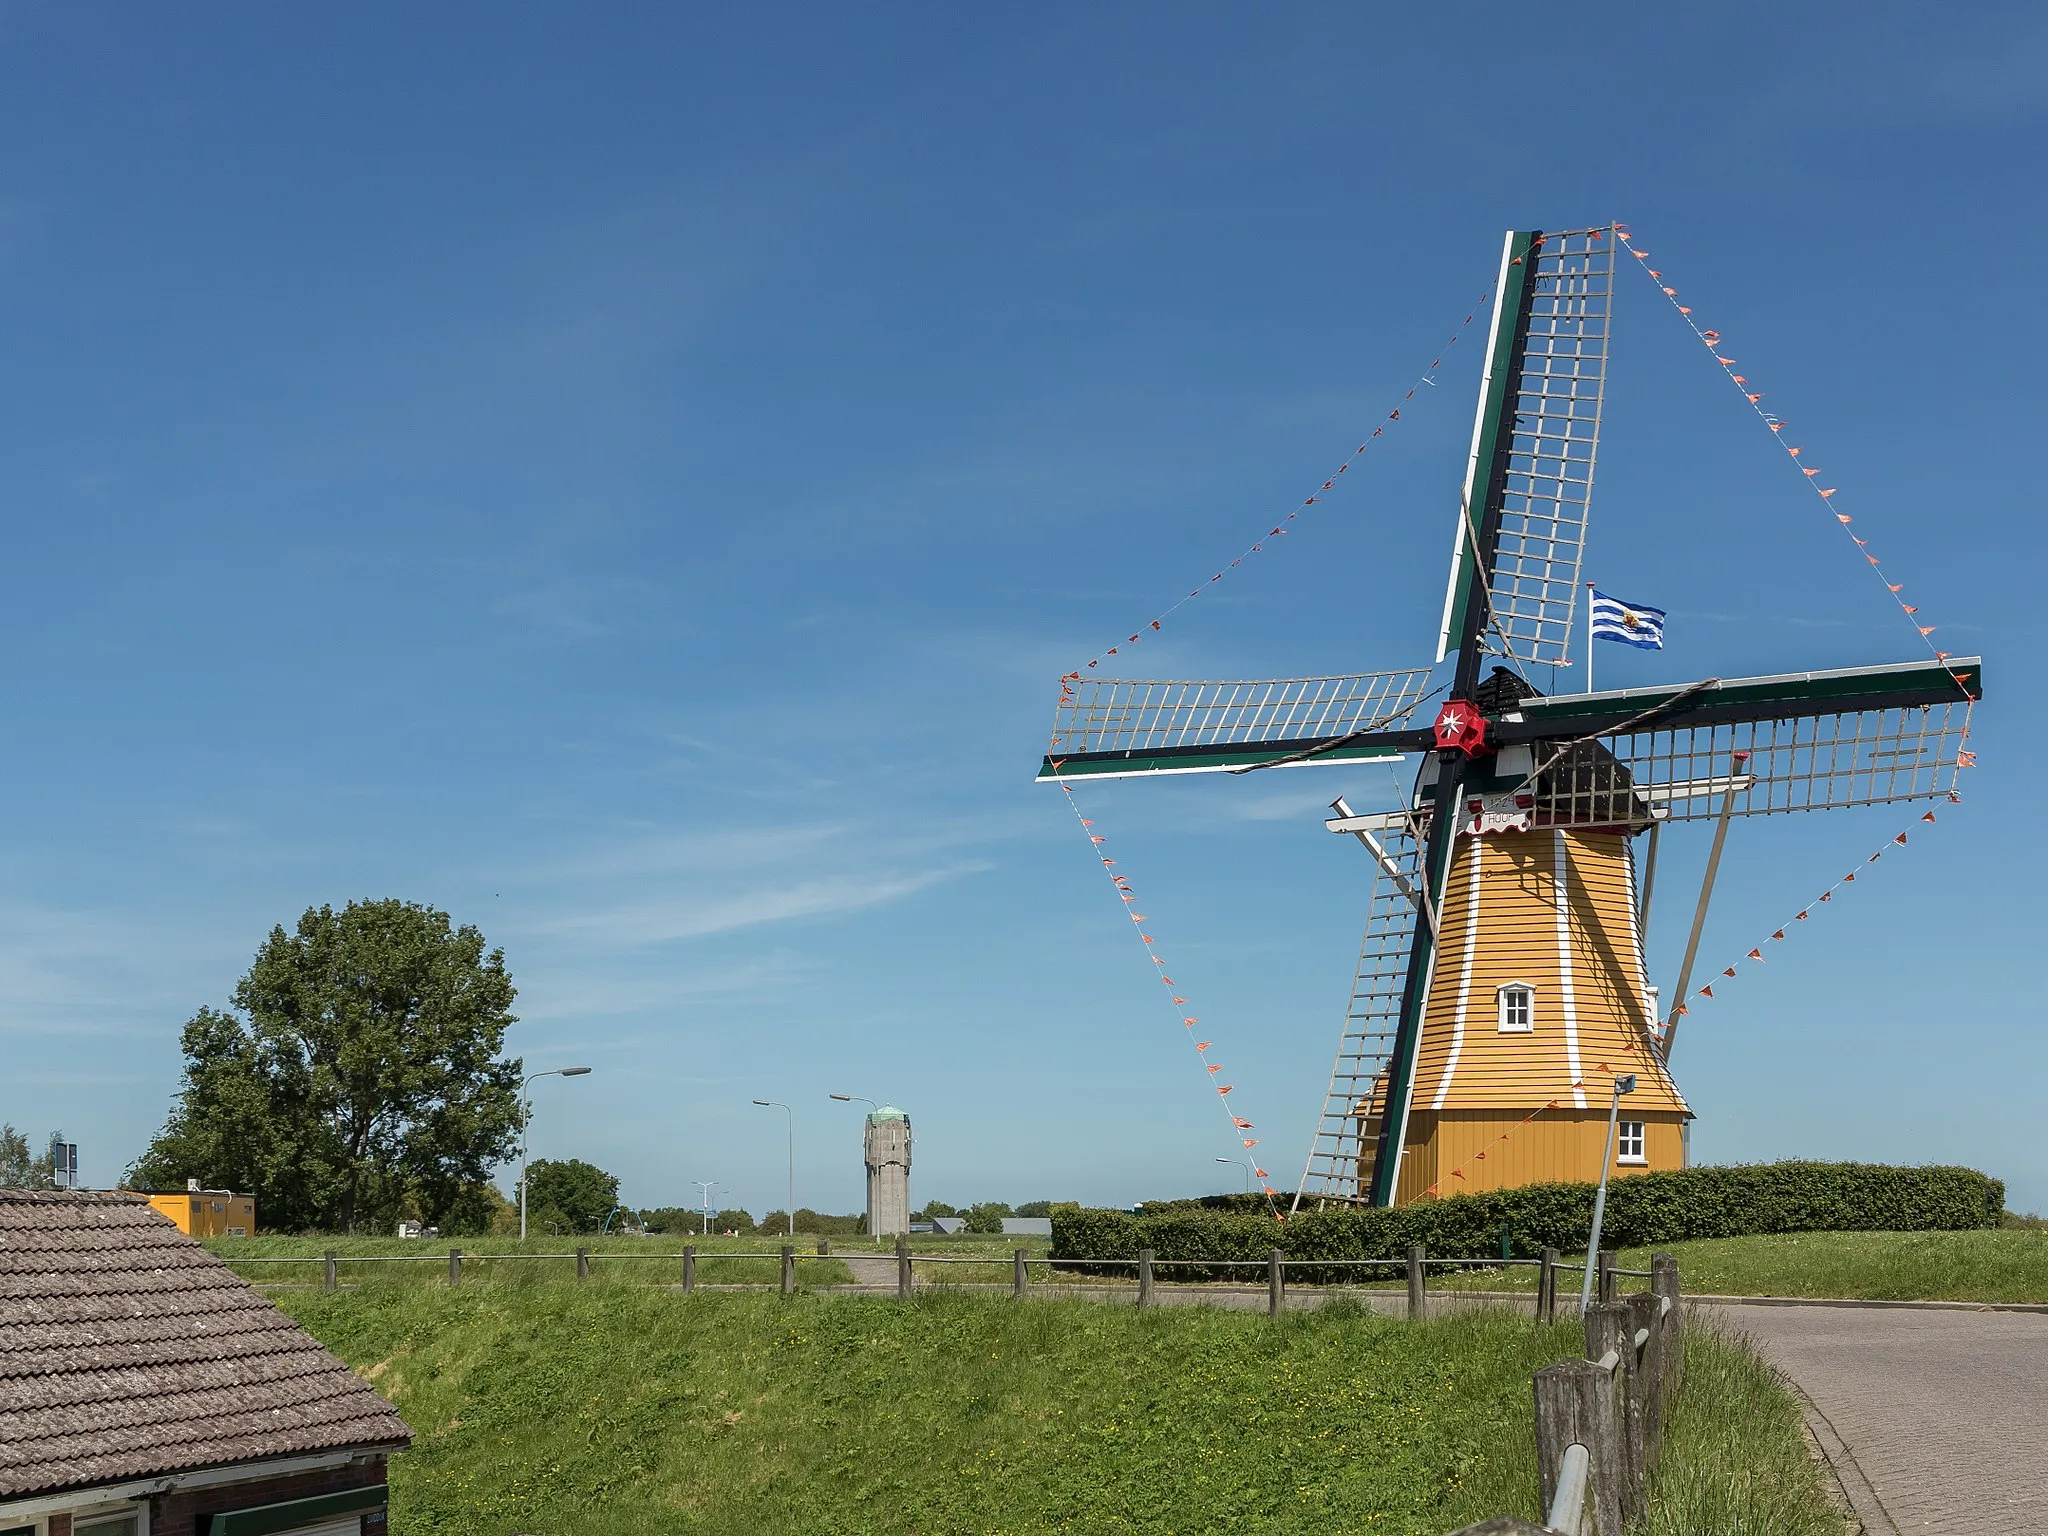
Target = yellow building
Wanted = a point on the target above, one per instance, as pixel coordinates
(1537, 1003)
(208, 1212)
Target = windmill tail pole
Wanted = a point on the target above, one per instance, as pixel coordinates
(1699, 916)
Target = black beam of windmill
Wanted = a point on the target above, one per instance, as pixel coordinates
(1500, 755)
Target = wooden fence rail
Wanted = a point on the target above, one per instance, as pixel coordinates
(1600, 1420)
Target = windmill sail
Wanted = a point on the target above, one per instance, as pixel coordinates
(1338, 1164)
(1111, 728)
(1552, 309)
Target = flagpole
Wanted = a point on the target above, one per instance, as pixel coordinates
(1589, 637)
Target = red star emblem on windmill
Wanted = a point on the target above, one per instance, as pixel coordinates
(1460, 727)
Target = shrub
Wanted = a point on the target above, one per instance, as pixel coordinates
(1642, 1210)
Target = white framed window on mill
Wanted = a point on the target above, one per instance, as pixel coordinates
(1629, 1145)
(1517, 1008)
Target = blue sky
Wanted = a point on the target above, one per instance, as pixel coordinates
(632, 478)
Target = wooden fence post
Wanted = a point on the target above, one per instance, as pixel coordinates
(1276, 1282)
(1418, 1295)
(1664, 1283)
(1144, 1277)
(1610, 1330)
(1604, 1293)
(1020, 1276)
(689, 1268)
(824, 1247)
(906, 1284)
(329, 1280)
(1546, 1287)
(455, 1266)
(788, 1270)
(1579, 1403)
(1646, 1322)
(582, 1263)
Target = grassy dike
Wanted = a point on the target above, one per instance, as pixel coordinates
(608, 1408)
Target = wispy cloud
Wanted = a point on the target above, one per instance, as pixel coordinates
(665, 918)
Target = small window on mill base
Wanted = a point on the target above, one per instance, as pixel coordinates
(1629, 1148)
(1517, 1008)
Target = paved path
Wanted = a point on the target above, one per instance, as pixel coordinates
(1944, 1415)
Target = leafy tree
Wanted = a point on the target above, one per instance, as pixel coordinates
(774, 1224)
(358, 1072)
(933, 1208)
(21, 1168)
(732, 1221)
(824, 1225)
(1034, 1208)
(569, 1196)
(673, 1218)
(987, 1216)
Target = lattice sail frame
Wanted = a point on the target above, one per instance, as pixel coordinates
(1140, 716)
(1559, 388)
(1808, 763)
(1338, 1165)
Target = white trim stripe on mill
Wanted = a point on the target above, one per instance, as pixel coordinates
(1443, 1088)
(1560, 871)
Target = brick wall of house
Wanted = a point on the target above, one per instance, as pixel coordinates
(187, 1513)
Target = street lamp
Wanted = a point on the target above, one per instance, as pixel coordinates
(525, 1090)
(789, 1116)
(707, 1185)
(1241, 1163)
(1621, 1085)
(849, 1098)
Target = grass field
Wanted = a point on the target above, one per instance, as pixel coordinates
(2008, 1265)
(610, 1408)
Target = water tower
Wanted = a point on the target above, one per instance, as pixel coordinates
(886, 1146)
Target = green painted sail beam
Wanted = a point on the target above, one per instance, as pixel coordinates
(1491, 428)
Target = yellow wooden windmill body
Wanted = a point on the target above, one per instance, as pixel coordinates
(1538, 1001)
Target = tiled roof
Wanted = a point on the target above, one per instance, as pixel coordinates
(129, 1351)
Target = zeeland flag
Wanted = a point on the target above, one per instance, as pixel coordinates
(1635, 624)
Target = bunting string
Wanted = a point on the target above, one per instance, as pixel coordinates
(1240, 1127)
(1279, 530)
(1717, 347)
(1433, 1192)
(1965, 759)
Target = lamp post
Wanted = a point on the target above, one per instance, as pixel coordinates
(1621, 1085)
(1240, 1163)
(707, 1185)
(789, 1117)
(852, 1098)
(526, 1091)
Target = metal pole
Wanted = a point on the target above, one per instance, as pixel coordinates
(789, 1117)
(526, 1093)
(1699, 916)
(1589, 637)
(1649, 884)
(707, 1185)
(1600, 1201)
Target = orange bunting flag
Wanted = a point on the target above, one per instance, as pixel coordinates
(1225, 1088)
(1800, 917)
(1829, 491)
(1682, 1011)
(1242, 1125)
(1925, 629)
(1900, 839)
(1251, 1143)
(1928, 817)
(1779, 934)
(1681, 308)
(1180, 1000)
(1966, 759)
(1706, 991)
(1729, 972)
(1754, 398)
(1892, 585)
(1795, 452)
(1811, 473)
(1712, 338)
(1850, 876)
(1909, 608)
(1671, 292)
(1213, 1070)
(1146, 937)
(1725, 362)
(1262, 1174)
(1203, 1045)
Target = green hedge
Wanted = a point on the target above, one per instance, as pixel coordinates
(1642, 1210)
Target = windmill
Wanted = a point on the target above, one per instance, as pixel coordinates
(1502, 971)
